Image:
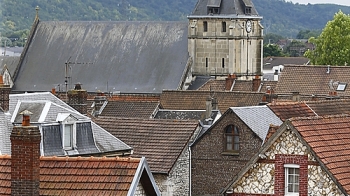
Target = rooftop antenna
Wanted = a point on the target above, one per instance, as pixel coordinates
(68, 72)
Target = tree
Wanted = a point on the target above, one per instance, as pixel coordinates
(333, 45)
(306, 34)
(272, 50)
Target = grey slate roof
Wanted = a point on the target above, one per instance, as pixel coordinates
(185, 114)
(230, 8)
(11, 63)
(45, 108)
(257, 118)
(130, 57)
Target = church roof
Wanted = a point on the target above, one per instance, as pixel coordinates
(127, 57)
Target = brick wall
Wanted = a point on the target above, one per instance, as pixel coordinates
(77, 99)
(25, 160)
(4, 96)
(212, 170)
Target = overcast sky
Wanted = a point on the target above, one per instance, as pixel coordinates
(339, 2)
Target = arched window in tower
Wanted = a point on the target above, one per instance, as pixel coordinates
(232, 138)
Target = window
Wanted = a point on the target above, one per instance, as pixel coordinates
(213, 10)
(205, 26)
(292, 179)
(223, 63)
(206, 62)
(248, 10)
(68, 136)
(223, 25)
(232, 138)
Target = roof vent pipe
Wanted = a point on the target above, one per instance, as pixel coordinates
(328, 69)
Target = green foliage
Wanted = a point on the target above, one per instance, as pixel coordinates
(272, 50)
(333, 45)
(306, 34)
(296, 48)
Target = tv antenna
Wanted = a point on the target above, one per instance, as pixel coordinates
(68, 72)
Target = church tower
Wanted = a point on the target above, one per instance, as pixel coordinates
(225, 37)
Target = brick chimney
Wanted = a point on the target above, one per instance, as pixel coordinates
(256, 83)
(208, 107)
(4, 95)
(229, 81)
(77, 98)
(25, 158)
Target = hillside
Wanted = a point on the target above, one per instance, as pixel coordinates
(279, 16)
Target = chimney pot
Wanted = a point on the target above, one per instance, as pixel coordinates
(26, 117)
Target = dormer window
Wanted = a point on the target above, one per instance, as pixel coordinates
(67, 123)
(232, 138)
(213, 10)
(213, 6)
(248, 10)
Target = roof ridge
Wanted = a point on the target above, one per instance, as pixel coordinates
(319, 117)
(91, 158)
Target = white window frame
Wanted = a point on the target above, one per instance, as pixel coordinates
(64, 139)
(286, 167)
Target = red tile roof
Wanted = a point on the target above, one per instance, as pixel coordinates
(312, 79)
(329, 138)
(160, 141)
(196, 100)
(78, 175)
(240, 85)
(286, 110)
(330, 107)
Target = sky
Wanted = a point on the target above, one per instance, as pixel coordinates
(339, 2)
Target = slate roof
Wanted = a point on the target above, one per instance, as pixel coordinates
(239, 85)
(270, 62)
(198, 82)
(329, 138)
(228, 8)
(257, 118)
(127, 57)
(45, 108)
(291, 109)
(11, 63)
(84, 175)
(196, 100)
(312, 79)
(160, 141)
(130, 109)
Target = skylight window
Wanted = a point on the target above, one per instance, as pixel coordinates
(341, 86)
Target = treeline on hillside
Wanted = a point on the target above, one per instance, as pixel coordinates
(279, 16)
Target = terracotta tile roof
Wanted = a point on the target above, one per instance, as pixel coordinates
(78, 175)
(134, 97)
(286, 110)
(312, 79)
(160, 141)
(195, 100)
(214, 85)
(329, 138)
(130, 109)
(330, 107)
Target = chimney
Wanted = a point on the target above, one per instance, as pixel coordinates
(99, 100)
(25, 158)
(208, 109)
(296, 96)
(77, 98)
(256, 83)
(229, 81)
(4, 95)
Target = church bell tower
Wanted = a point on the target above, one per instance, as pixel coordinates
(225, 37)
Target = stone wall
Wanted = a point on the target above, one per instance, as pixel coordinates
(260, 179)
(212, 167)
(140, 191)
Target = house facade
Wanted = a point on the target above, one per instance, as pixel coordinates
(301, 158)
(219, 152)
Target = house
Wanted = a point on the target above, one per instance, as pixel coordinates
(219, 152)
(321, 82)
(65, 131)
(26, 173)
(164, 143)
(306, 156)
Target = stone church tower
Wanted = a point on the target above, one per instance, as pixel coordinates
(225, 37)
